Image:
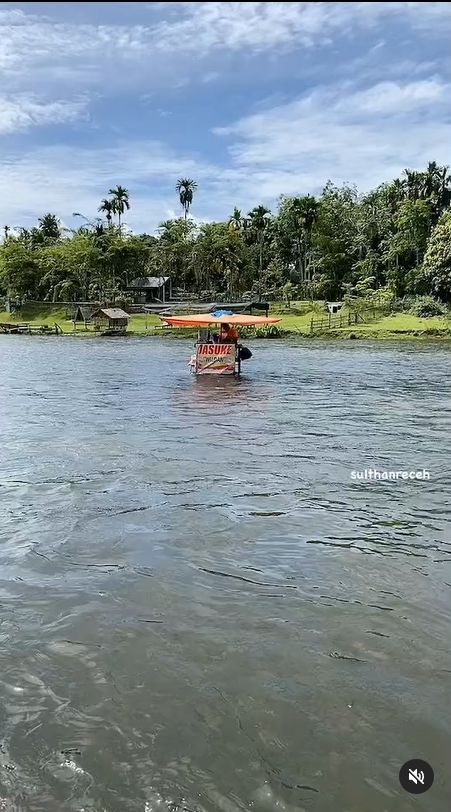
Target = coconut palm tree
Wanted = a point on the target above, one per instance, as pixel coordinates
(414, 184)
(258, 221)
(107, 207)
(186, 188)
(436, 186)
(49, 226)
(304, 213)
(237, 222)
(398, 190)
(430, 178)
(443, 188)
(119, 202)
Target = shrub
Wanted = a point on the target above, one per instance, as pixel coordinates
(123, 301)
(403, 304)
(425, 306)
(269, 331)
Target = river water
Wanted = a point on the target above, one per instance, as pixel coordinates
(200, 608)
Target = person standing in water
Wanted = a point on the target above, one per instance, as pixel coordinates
(228, 334)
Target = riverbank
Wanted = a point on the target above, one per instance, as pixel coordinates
(295, 321)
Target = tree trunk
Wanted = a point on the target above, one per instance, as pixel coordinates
(260, 272)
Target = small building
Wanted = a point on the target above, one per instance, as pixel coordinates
(334, 307)
(110, 321)
(81, 314)
(151, 289)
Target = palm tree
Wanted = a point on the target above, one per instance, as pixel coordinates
(107, 207)
(186, 188)
(305, 213)
(430, 178)
(399, 190)
(443, 188)
(49, 226)
(414, 184)
(259, 218)
(436, 186)
(119, 202)
(237, 222)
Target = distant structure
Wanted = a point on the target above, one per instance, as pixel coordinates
(81, 314)
(334, 307)
(151, 289)
(110, 321)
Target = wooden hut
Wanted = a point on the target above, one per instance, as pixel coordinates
(81, 314)
(151, 289)
(110, 321)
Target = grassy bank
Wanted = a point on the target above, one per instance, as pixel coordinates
(294, 321)
(39, 315)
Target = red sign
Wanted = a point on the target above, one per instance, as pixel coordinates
(215, 359)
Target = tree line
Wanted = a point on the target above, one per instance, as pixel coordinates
(397, 237)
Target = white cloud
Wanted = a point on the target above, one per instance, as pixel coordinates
(341, 133)
(260, 25)
(75, 179)
(393, 98)
(147, 53)
(364, 133)
(22, 112)
(14, 16)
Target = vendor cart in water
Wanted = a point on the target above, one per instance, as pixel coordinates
(213, 354)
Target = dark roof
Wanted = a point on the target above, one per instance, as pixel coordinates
(82, 313)
(145, 282)
(112, 313)
(239, 306)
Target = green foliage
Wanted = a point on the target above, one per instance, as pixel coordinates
(295, 237)
(391, 243)
(268, 331)
(336, 237)
(186, 188)
(426, 306)
(49, 227)
(119, 202)
(437, 260)
(19, 267)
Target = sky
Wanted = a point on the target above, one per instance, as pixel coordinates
(252, 100)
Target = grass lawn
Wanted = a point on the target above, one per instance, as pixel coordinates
(405, 321)
(399, 325)
(37, 315)
(294, 321)
(34, 314)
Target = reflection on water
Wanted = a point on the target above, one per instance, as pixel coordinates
(215, 389)
(200, 609)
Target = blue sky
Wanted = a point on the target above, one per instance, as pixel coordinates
(253, 100)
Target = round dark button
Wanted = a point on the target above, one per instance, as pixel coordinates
(416, 776)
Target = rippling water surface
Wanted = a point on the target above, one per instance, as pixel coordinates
(200, 609)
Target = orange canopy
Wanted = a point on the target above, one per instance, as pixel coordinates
(204, 319)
